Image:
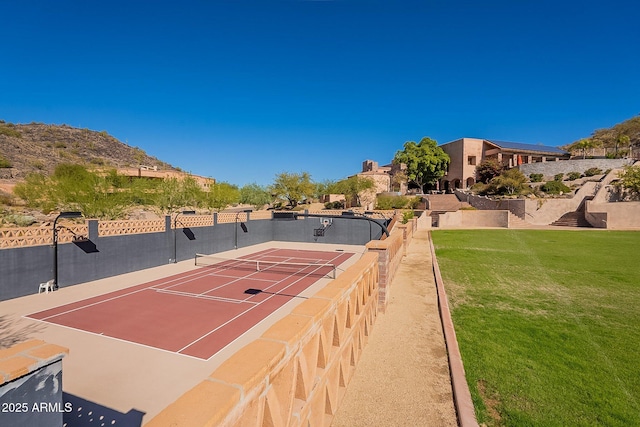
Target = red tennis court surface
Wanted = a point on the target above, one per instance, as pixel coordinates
(199, 312)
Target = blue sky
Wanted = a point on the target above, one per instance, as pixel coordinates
(243, 90)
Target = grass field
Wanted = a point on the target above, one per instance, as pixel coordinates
(548, 323)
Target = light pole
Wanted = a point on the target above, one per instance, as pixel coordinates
(175, 232)
(236, 226)
(68, 214)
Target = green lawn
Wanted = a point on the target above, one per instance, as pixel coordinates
(548, 323)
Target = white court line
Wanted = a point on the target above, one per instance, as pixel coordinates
(201, 296)
(246, 311)
(122, 340)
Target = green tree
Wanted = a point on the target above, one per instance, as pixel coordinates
(192, 192)
(37, 191)
(323, 188)
(254, 195)
(221, 195)
(169, 195)
(511, 181)
(77, 188)
(425, 161)
(487, 170)
(293, 187)
(353, 187)
(621, 141)
(630, 180)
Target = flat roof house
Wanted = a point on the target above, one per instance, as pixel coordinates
(467, 153)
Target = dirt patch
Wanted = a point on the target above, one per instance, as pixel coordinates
(490, 402)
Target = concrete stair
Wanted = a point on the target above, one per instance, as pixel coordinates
(443, 203)
(572, 219)
(517, 222)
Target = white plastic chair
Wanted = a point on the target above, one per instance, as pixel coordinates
(46, 287)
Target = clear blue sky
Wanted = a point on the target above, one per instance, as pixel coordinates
(243, 90)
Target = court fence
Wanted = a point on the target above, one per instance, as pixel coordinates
(15, 237)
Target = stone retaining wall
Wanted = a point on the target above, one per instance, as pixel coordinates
(549, 169)
(474, 219)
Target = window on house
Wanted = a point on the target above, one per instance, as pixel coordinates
(471, 160)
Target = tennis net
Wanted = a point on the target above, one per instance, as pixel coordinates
(281, 267)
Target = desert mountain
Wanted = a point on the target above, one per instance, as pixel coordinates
(39, 147)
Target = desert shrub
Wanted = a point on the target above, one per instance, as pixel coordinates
(20, 220)
(4, 163)
(558, 177)
(407, 216)
(414, 202)
(554, 187)
(384, 202)
(6, 198)
(9, 130)
(536, 177)
(338, 204)
(592, 172)
(572, 176)
(479, 188)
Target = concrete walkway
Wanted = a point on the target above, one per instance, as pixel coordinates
(403, 377)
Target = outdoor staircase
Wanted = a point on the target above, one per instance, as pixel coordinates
(443, 203)
(517, 222)
(572, 219)
(576, 218)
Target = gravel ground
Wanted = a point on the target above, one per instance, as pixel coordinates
(403, 378)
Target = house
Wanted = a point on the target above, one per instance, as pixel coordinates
(467, 153)
(383, 176)
(153, 173)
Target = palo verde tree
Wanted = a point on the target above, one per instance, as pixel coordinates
(354, 187)
(511, 181)
(221, 195)
(173, 193)
(293, 187)
(425, 161)
(73, 187)
(255, 195)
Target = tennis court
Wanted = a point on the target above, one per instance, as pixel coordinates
(199, 312)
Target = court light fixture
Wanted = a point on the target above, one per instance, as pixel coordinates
(175, 228)
(242, 224)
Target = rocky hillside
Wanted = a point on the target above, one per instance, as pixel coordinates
(38, 147)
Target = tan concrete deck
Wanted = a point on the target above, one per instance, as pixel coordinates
(121, 375)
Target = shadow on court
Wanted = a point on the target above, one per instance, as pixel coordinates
(85, 413)
(253, 291)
